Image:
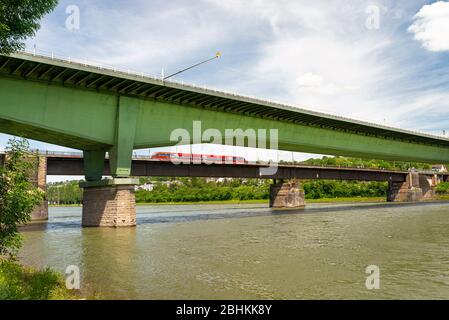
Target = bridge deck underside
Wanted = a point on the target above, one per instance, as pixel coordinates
(81, 76)
(90, 108)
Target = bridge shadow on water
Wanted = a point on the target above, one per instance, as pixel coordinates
(171, 216)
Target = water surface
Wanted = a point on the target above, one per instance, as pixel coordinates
(249, 252)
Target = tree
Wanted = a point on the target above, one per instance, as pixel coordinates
(19, 19)
(18, 196)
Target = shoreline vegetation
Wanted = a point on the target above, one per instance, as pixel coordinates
(255, 201)
(263, 201)
(18, 197)
(18, 282)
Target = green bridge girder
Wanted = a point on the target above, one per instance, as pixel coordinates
(99, 111)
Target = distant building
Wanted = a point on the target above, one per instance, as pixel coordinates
(149, 186)
(146, 187)
(439, 168)
(218, 179)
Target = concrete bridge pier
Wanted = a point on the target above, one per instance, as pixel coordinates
(109, 203)
(416, 187)
(112, 203)
(286, 195)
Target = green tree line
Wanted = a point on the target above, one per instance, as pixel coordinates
(199, 189)
(64, 193)
(366, 163)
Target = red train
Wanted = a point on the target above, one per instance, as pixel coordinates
(197, 158)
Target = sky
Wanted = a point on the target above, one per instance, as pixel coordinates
(385, 62)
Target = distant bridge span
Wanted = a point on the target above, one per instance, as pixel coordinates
(403, 185)
(73, 165)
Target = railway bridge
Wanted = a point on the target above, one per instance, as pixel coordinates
(404, 186)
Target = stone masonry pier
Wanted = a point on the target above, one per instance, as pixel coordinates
(109, 203)
(416, 187)
(286, 195)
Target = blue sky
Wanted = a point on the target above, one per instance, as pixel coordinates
(328, 56)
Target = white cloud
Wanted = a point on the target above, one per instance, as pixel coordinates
(310, 82)
(315, 54)
(309, 79)
(431, 26)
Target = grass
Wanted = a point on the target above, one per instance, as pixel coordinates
(23, 283)
(442, 197)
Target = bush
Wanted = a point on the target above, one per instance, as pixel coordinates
(18, 196)
(442, 188)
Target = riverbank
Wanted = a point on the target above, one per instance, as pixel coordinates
(258, 201)
(18, 282)
(261, 201)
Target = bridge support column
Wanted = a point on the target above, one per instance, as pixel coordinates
(112, 203)
(109, 203)
(428, 185)
(39, 178)
(417, 187)
(286, 195)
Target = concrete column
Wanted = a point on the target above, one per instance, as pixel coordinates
(286, 196)
(39, 178)
(408, 191)
(109, 203)
(428, 185)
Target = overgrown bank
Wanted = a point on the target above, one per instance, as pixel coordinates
(24, 283)
(18, 197)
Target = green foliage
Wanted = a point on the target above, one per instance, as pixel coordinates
(19, 283)
(319, 189)
(442, 188)
(365, 163)
(19, 19)
(64, 193)
(18, 196)
(199, 189)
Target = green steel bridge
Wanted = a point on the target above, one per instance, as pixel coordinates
(98, 110)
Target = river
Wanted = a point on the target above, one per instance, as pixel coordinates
(249, 252)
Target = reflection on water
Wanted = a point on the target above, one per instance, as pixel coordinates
(250, 252)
